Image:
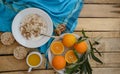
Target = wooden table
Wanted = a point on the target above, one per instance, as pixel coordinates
(97, 17)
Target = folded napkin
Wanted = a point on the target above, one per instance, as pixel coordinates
(61, 11)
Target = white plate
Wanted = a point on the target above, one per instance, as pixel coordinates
(32, 43)
(50, 55)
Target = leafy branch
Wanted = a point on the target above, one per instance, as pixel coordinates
(83, 64)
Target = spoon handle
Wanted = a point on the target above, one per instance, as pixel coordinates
(50, 36)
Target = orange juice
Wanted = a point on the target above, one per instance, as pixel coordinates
(34, 59)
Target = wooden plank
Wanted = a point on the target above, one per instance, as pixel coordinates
(103, 34)
(7, 49)
(9, 63)
(99, 24)
(95, 71)
(102, 1)
(109, 45)
(95, 10)
(106, 70)
(32, 72)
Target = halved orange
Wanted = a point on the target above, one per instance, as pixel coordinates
(57, 47)
(70, 57)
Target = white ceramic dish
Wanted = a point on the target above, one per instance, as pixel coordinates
(50, 55)
(31, 43)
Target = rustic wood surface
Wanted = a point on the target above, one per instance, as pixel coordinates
(98, 17)
(102, 1)
(101, 10)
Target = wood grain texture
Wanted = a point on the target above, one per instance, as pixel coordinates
(8, 49)
(106, 70)
(99, 24)
(9, 63)
(32, 72)
(109, 45)
(96, 10)
(95, 71)
(103, 34)
(102, 1)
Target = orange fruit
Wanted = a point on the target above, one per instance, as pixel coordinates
(57, 47)
(70, 57)
(58, 62)
(69, 40)
(81, 47)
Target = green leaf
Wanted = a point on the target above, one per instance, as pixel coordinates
(96, 43)
(85, 69)
(71, 66)
(67, 71)
(95, 58)
(92, 54)
(81, 58)
(71, 70)
(89, 67)
(84, 35)
(97, 51)
(81, 40)
(91, 46)
(81, 68)
(76, 54)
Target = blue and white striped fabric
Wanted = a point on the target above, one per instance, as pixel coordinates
(61, 11)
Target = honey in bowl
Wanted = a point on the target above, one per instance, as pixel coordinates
(34, 59)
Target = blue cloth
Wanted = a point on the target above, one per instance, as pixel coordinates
(61, 11)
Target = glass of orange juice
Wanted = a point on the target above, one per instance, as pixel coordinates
(34, 59)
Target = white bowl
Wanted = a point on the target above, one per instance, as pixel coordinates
(31, 43)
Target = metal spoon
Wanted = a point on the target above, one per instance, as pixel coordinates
(51, 36)
(55, 37)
